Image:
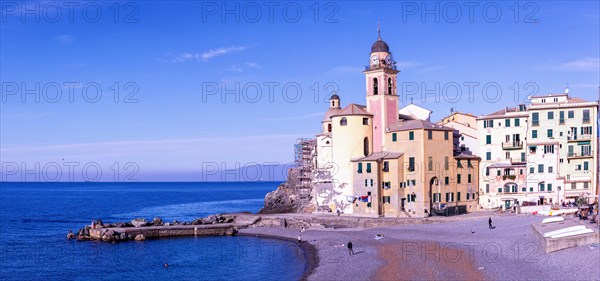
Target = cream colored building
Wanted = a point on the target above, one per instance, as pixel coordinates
(502, 147)
(465, 132)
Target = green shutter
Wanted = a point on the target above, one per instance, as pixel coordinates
(394, 137)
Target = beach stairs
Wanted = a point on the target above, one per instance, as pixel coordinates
(570, 232)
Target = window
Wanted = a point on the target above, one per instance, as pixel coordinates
(389, 86)
(329, 127)
(488, 139)
(371, 182)
(430, 163)
(531, 189)
(549, 148)
(411, 135)
(375, 86)
(534, 134)
(488, 123)
(561, 117)
(487, 171)
(430, 134)
(549, 187)
(458, 164)
(445, 135)
(469, 178)
(517, 122)
(498, 172)
(368, 167)
(458, 196)
(507, 123)
(535, 119)
(550, 115)
(586, 185)
(524, 189)
(411, 164)
(487, 188)
(531, 170)
(541, 186)
(540, 168)
(365, 121)
(469, 163)
(386, 166)
(359, 168)
(394, 137)
(499, 189)
(488, 156)
(573, 185)
(458, 178)
(571, 114)
(550, 169)
(585, 165)
(366, 146)
(343, 121)
(447, 180)
(550, 133)
(586, 116)
(446, 163)
(522, 156)
(366, 181)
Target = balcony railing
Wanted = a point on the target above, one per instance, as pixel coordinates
(512, 145)
(380, 65)
(579, 138)
(580, 155)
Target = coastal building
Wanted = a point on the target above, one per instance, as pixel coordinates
(380, 160)
(502, 136)
(565, 129)
(465, 132)
(543, 153)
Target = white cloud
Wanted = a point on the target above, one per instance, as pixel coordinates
(205, 56)
(221, 51)
(253, 65)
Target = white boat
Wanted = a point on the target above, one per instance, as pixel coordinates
(564, 230)
(573, 233)
(552, 219)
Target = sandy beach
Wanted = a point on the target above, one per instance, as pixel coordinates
(463, 248)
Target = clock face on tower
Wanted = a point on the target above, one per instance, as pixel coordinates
(374, 59)
(389, 60)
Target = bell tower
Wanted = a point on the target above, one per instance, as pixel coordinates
(382, 98)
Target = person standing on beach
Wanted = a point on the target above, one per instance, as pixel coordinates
(299, 238)
(490, 223)
(350, 250)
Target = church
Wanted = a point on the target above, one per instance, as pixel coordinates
(377, 160)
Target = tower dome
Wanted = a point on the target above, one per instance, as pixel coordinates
(334, 97)
(380, 46)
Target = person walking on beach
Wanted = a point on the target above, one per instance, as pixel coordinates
(350, 250)
(490, 223)
(299, 238)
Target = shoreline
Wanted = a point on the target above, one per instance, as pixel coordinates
(309, 251)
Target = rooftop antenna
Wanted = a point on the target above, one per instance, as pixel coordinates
(379, 30)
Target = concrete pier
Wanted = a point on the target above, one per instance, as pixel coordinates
(555, 244)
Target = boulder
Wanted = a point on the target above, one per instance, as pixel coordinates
(139, 222)
(197, 221)
(140, 237)
(157, 222)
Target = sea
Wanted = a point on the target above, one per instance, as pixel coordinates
(36, 217)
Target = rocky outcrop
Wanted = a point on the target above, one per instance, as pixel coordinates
(139, 222)
(286, 199)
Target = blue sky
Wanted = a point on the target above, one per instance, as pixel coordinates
(170, 54)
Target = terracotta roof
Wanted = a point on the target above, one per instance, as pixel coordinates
(417, 124)
(466, 156)
(353, 109)
(549, 95)
(329, 113)
(379, 155)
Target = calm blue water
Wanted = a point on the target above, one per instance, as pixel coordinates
(35, 217)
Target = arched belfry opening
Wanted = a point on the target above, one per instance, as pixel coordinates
(366, 146)
(375, 86)
(389, 84)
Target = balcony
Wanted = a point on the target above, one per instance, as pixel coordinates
(516, 160)
(579, 138)
(588, 154)
(381, 65)
(512, 145)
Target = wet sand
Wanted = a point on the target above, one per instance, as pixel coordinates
(425, 261)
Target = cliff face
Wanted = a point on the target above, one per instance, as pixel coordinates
(290, 197)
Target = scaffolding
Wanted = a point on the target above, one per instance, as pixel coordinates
(304, 156)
